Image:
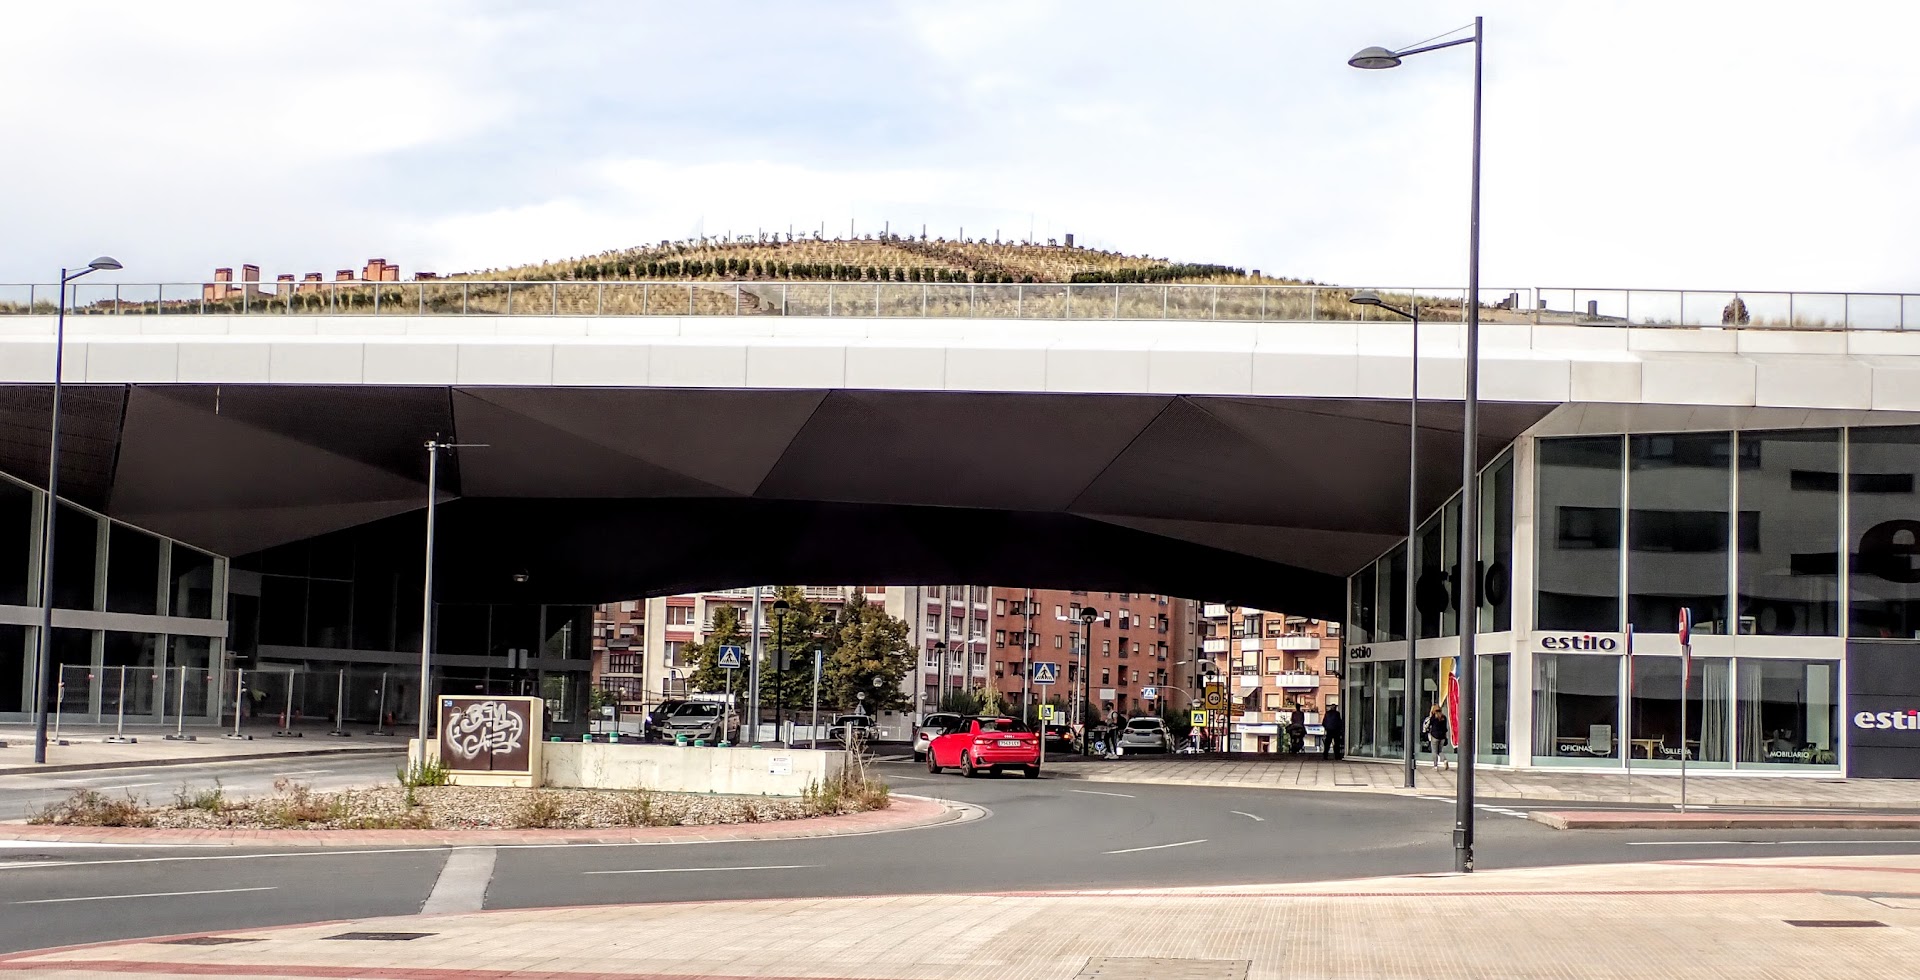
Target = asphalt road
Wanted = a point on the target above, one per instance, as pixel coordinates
(1044, 834)
(21, 796)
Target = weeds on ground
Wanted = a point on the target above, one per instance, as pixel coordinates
(406, 820)
(212, 799)
(540, 810)
(91, 808)
(645, 808)
(427, 773)
(851, 791)
(296, 806)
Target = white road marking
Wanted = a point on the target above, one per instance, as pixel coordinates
(917, 779)
(1156, 847)
(307, 772)
(1095, 792)
(462, 885)
(1848, 842)
(665, 871)
(110, 898)
(1248, 815)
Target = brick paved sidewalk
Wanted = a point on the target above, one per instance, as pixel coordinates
(906, 813)
(87, 751)
(1311, 773)
(1855, 917)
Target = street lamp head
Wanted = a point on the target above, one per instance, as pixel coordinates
(1374, 57)
(780, 605)
(1365, 297)
(1088, 615)
(105, 263)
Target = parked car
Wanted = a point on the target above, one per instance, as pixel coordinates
(699, 720)
(1146, 735)
(846, 724)
(986, 744)
(934, 724)
(656, 719)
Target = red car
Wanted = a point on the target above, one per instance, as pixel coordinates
(987, 744)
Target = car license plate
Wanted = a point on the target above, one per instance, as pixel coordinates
(1011, 742)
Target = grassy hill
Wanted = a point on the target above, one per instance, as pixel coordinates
(891, 258)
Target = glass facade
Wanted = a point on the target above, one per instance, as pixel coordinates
(1654, 716)
(1679, 487)
(1576, 708)
(1495, 696)
(1789, 713)
(1577, 514)
(1883, 527)
(17, 571)
(1789, 573)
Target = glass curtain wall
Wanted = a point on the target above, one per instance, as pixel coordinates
(1653, 714)
(1578, 543)
(1677, 534)
(16, 545)
(1883, 517)
(1390, 699)
(1788, 569)
(1360, 728)
(1496, 546)
(1495, 697)
(1576, 708)
(1789, 714)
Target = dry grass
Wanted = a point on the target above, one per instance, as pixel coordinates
(91, 808)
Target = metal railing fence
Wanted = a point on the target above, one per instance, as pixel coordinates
(1039, 301)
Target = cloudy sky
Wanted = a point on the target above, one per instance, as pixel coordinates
(1715, 145)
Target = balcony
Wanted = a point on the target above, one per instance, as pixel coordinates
(1297, 681)
(1298, 642)
(1215, 645)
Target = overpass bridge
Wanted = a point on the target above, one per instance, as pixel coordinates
(1229, 441)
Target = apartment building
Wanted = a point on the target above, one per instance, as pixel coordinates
(1274, 662)
(948, 625)
(1136, 646)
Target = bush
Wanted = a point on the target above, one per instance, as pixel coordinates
(212, 799)
(540, 810)
(91, 808)
(427, 773)
(297, 806)
(408, 820)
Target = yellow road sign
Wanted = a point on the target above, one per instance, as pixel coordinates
(1046, 712)
(1199, 719)
(1216, 696)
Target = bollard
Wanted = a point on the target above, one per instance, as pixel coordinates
(380, 721)
(286, 717)
(180, 716)
(59, 698)
(239, 693)
(340, 707)
(119, 735)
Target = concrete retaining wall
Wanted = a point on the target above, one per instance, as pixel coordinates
(688, 769)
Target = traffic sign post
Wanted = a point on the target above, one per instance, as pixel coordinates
(1686, 678)
(1046, 672)
(1046, 714)
(1197, 718)
(1149, 694)
(729, 658)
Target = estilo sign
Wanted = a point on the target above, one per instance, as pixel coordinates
(1579, 642)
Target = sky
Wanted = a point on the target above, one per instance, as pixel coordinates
(1706, 145)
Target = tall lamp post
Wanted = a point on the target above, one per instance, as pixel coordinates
(434, 448)
(1467, 579)
(43, 641)
(1369, 298)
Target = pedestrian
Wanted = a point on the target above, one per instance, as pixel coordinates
(1435, 731)
(1333, 744)
(1297, 730)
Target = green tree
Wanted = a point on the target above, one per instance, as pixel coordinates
(708, 675)
(992, 701)
(786, 676)
(961, 703)
(867, 653)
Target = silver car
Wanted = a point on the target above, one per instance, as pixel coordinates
(698, 720)
(933, 725)
(1145, 735)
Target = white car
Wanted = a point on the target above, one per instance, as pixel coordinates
(933, 725)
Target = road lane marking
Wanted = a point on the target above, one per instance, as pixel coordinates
(1156, 847)
(462, 885)
(1846, 841)
(664, 871)
(111, 898)
(1095, 792)
(1249, 816)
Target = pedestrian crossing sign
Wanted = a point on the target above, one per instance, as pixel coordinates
(1199, 719)
(729, 656)
(1046, 672)
(1046, 712)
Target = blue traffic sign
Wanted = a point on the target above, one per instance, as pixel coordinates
(730, 656)
(1046, 673)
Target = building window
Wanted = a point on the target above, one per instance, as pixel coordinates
(1272, 701)
(1106, 648)
(999, 607)
(1788, 713)
(628, 605)
(1653, 714)
(1105, 676)
(1883, 533)
(1057, 612)
(1333, 665)
(933, 623)
(1788, 574)
(935, 592)
(1058, 641)
(933, 662)
(999, 638)
(1124, 616)
(1579, 538)
(1496, 546)
(1576, 707)
(1274, 665)
(979, 627)
(980, 660)
(1677, 534)
(672, 651)
(1361, 593)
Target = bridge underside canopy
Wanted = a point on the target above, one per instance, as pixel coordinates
(602, 493)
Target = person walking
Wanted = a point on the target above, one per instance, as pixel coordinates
(1434, 729)
(1333, 745)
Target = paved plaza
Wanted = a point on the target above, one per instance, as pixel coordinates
(1790, 918)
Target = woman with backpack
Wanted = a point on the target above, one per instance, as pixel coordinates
(1434, 730)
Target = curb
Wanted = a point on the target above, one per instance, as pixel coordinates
(932, 813)
(1655, 820)
(30, 770)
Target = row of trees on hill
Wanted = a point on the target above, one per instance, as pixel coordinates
(866, 652)
(733, 267)
(1158, 273)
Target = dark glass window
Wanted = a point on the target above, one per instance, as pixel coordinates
(192, 575)
(516, 626)
(14, 657)
(1677, 536)
(133, 571)
(460, 629)
(1450, 531)
(1883, 532)
(1360, 710)
(1430, 590)
(1395, 589)
(1579, 537)
(1789, 712)
(1654, 712)
(1788, 565)
(569, 630)
(76, 536)
(1496, 546)
(1576, 706)
(1495, 693)
(373, 611)
(1365, 589)
(131, 675)
(283, 611)
(16, 552)
(329, 613)
(72, 655)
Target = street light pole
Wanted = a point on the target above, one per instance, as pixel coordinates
(1409, 752)
(433, 447)
(43, 640)
(1467, 577)
(780, 608)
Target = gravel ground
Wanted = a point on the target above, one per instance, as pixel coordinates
(460, 808)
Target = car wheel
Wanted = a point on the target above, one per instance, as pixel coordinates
(966, 766)
(1033, 771)
(932, 766)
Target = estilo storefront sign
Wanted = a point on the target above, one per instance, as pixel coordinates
(1580, 642)
(491, 741)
